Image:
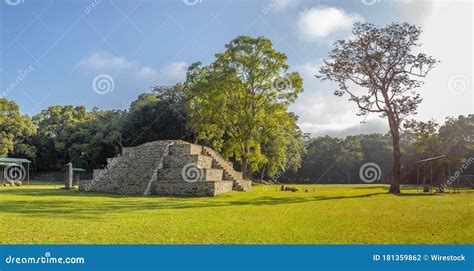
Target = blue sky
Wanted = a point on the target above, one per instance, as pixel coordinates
(51, 51)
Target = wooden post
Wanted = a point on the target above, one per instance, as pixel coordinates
(431, 177)
(417, 177)
(424, 175)
(449, 177)
(68, 183)
(426, 188)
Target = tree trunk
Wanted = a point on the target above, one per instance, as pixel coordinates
(395, 183)
(245, 162)
(244, 168)
(262, 176)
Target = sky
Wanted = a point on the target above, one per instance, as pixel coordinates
(105, 53)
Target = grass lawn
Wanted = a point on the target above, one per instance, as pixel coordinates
(327, 214)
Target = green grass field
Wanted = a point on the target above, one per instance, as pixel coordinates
(327, 214)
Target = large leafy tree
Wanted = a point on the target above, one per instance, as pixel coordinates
(236, 98)
(94, 140)
(382, 63)
(282, 147)
(321, 162)
(423, 136)
(457, 136)
(351, 155)
(56, 125)
(156, 116)
(15, 129)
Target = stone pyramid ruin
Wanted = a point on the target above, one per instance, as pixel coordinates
(167, 167)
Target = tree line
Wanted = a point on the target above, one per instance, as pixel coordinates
(338, 160)
(60, 134)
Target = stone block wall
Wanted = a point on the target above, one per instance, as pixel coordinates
(210, 188)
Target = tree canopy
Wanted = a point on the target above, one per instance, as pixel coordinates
(239, 103)
(15, 129)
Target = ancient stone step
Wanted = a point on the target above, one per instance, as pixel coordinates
(242, 185)
(188, 175)
(180, 161)
(128, 151)
(184, 149)
(97, 172)
(229, 173)
(192, 189)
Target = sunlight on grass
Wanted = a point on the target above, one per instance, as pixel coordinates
(42, 213)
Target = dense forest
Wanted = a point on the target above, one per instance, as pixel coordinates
(60, 134)
(330, 159)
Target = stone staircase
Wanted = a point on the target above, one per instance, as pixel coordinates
(130, 172)
(239, 183)
(167, 167)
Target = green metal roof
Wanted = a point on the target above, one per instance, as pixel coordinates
(8, 164)
(446, 157)
(14, 160)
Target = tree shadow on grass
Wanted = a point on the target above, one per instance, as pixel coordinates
(96, 210)
(362, 186)
(56, 192)
(419, 194)
(384, 186)
(80, 207)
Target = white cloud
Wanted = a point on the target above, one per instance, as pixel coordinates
(318, 23)
(280, 5)
(322, 113)
(355, 128)
(146, 73)
(276, 6)
(103, 62)
(174, 72)
(447, 36)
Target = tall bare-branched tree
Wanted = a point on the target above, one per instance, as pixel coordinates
(380, 61)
